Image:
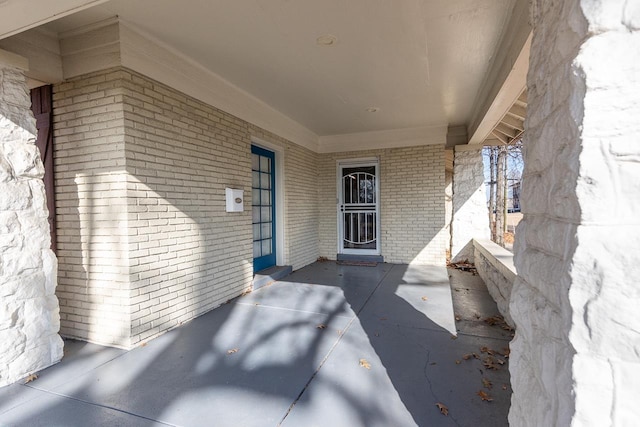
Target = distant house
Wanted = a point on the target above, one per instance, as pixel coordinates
(513, 196)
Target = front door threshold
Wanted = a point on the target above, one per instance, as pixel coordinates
(359, 258)
(269, 275)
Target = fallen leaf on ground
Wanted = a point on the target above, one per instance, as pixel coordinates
(365, 364)
(494, 320)
(506, 352)
(458, 318)
(484, 396)
(487, 350)
(30, 378)
(144, 344)
(458, 362)
(500, 361)
(453, 337)
(475, 356)
(486, 383)
(504, 386)
(321, 326)
(425, 298)
(489, 363)
(443, 409)
(233, 350)
(467, 356)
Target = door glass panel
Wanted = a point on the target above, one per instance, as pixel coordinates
(255, 197)
(265, 180)
(266, 197)
(255, 214)
(265, 164)
(266, 230)
(266, 247)
(256, 179)
(256, 249)
(265, 214)
(255, 162)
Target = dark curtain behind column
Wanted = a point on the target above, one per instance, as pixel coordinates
(42, 107)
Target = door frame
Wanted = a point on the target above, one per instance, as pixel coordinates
(278, 152)
(350, 163)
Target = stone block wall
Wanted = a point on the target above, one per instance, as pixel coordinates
(412, 203)
(168, 161)
(495, 266)
(29, 319)
(470, 214)
(575, 359)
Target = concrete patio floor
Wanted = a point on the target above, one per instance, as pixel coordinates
(329, 345)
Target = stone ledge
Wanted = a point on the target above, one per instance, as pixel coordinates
(495, 267)
(501, 258)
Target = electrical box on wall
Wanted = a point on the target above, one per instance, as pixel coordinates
(235, 200)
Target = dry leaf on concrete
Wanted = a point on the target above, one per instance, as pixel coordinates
(484, 396)
(321, 326)
(233, 350)
(425, 298)
(443, 409)
(486, 383)
(489, 363)
(506, 352)
(487, 350)
(30, 378)
(365, 364)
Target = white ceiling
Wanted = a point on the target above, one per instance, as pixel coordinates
(421, 63)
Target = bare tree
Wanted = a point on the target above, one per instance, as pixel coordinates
(505, 164)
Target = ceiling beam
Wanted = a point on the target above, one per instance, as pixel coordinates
(513, 122)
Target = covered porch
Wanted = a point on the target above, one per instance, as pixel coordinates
(330, 344)
(181, 148)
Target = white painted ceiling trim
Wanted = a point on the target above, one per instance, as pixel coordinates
(151, 57)
(512, 88)
(395, 138)
(17, 16)
(11, 59)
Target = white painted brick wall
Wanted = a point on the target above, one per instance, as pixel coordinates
(412, 206)
(91, 211)
(575, 359)
(146, 243)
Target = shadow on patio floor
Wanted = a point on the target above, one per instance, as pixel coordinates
(329, 345)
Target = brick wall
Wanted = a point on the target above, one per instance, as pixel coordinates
(92, 217)
(412, 206)
(152, 175)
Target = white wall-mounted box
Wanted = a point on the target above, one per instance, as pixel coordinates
(235, 200)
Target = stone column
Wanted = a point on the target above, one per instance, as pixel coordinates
(575, 359)
(470, 214)
(29, 316)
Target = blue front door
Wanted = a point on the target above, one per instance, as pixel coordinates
(263, 208)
